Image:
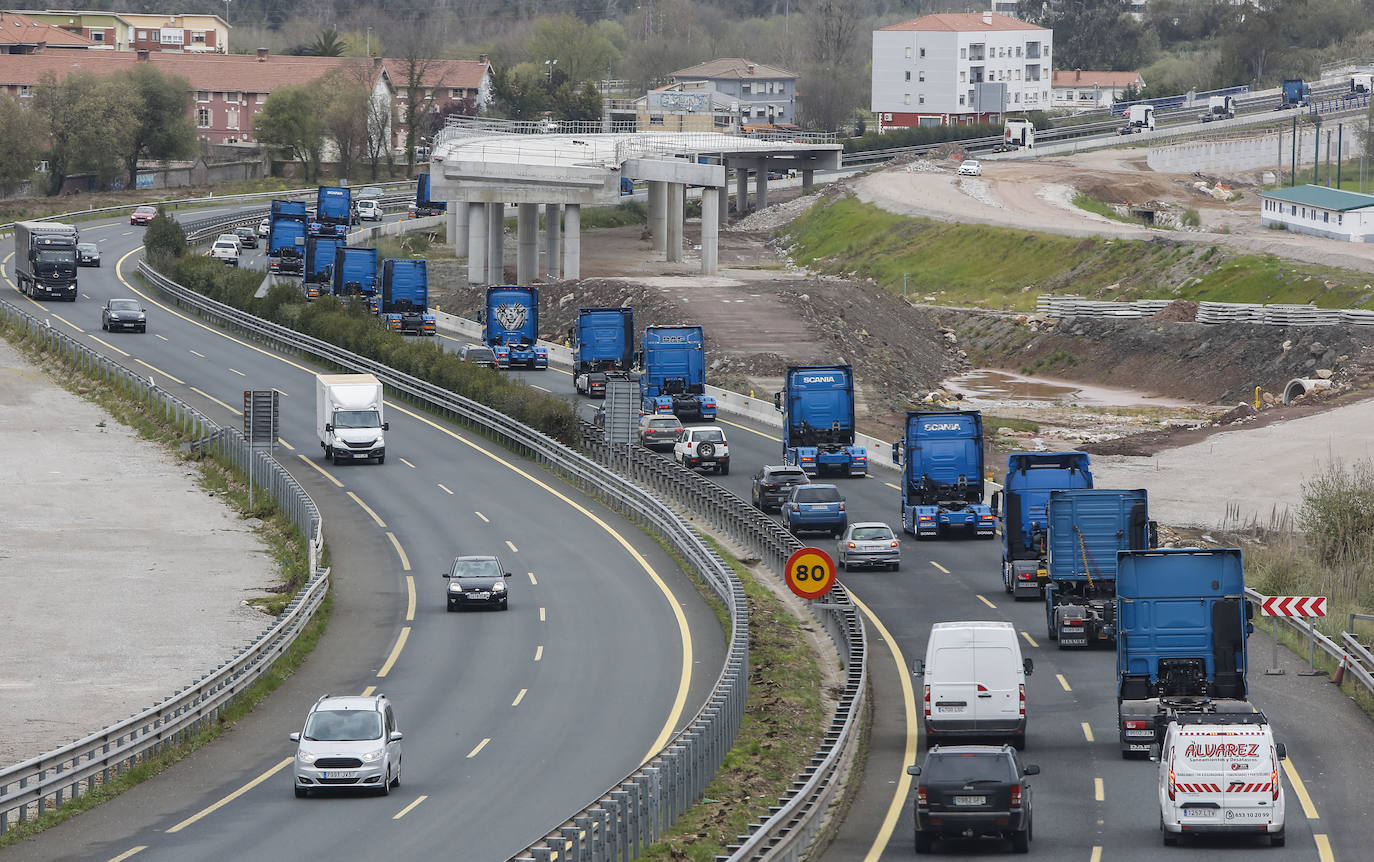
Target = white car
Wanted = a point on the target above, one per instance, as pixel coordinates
(264, 227)
(1220, 773)
(703, 446)
(369, 210)
(229, 237)
(226, 250)
(970, 168)
(348, 743)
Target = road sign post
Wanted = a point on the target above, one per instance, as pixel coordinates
(1295, 606)
(810, 573)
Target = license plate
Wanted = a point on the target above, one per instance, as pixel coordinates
(949, 709)
(479, 595)
(334, 773)
(970, 800)
(1197, 810)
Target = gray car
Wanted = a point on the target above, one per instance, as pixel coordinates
(348, 743)
(868, 543)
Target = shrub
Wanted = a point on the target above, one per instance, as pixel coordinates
(1337, 513)
(164, 240)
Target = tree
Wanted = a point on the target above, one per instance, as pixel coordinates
(292, 121)
(583, 53)
(1100, 35)
(346, 102)
(326, 44)
(380, 119)
(164, 239)
(832, 70)
(522, 91)
(163, 128)
(90, 123)
(22, 143)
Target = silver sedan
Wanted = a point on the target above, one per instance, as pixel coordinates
(868, 543)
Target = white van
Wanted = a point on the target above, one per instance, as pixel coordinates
(1220, 773)
(975, 682)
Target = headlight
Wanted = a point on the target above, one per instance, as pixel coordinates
(305, 757)
(499, 587)
(455, 587)
(374, 755)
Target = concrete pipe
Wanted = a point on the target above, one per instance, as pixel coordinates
(1300, 386)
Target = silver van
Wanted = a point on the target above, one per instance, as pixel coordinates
(975, 683)
(348, 743)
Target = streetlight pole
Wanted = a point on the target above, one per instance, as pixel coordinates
(548, 69)
(369, 41)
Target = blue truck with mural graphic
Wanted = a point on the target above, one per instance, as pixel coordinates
(511, 327)
(355, 274)
(603, 341)
(319, 263)
(1182, 621)
(404, 304)
(1086, 529)
(817, 404)
(941, 455)
(423, 205)
(1020, 506)
(286, 237)
(673, 379)
(333, 211)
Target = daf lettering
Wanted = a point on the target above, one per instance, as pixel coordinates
(673, 339)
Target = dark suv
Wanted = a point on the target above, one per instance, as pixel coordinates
(973, 791)
(772, 485)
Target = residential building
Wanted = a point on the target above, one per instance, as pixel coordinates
(954, 69)
(672, 109)
(22, 34)
(762, 94)
(1085, 91)
(1319, 211)
(446, 86)
(127, 31)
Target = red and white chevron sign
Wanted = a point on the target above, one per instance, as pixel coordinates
(1293, 606)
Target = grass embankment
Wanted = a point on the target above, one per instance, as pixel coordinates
(992, 267)
(285, 543)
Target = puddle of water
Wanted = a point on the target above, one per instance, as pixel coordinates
(984, 384)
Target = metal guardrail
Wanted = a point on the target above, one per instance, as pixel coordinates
(1357, 660)
(50, 780)
(1214, 313)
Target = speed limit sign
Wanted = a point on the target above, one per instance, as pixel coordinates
(810, 573)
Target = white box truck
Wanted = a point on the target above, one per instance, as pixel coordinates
(348, 417)
(1220, 108)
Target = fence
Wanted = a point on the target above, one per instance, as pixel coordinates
(55, 778)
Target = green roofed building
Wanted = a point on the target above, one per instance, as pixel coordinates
(1332, 213)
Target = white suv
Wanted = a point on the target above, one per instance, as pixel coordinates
(703, 446)
(970, 168)
(369, 210)
(348, 743)
(226, 250)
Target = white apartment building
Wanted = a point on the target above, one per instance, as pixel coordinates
(953, 69)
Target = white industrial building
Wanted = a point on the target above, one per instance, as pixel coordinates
(1319, 211)
(954, 69)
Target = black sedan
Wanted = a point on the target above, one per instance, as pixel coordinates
(87, 254)
(479, 354)
(123, 314)
(477, 581)
(973, 791)
(772, 485)
(248, 237)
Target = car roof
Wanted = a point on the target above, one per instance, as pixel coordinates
(707, 428)
(859, 524)
(347, 701)
(983, 750)
(145, 207)
(475, 557)
(816, 487)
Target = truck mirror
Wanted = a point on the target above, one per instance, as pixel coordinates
(897, 452)
(1153, 534)
(481, 315)
(328, 426)
(639, 358)
(913, 769)
(386, 426)
(1031, 769)
(777, 400)
(1280, 751)
(1249, 609)
(1029, 666)
(996, 501)
(918, 667)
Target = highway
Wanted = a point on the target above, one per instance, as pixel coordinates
(513, 720)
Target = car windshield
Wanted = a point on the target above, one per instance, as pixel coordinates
(476, 569)
(343, 725)
(146, 210)
(123, 305)
(818, 495)
(244, 231)
(480, 353)
(710, 435)
(356, 419)
(963, 768)
(86, 247)
(871, 533)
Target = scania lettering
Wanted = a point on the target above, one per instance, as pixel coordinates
(941, 455)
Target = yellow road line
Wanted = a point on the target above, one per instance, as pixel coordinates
(407, 463)
(281, 393)
(1087, 731)
(484, 518)
(239, 373)
(984, 599)
(229, 407)
(1030, 640)
(288, 446)
(1097, 854)
(400, 552)
(539, 652)
(540, 388)
(410, 598)
(1063, 682)
(395, 652)
(481, 745)
(541, 615)
(532, 580)
(127, 853)
(720, 421)
(368, 509)
(367, 692)
(1324, 848)
(77, 328)
(1099, 792)
(404, 811)
(197, 353)
(1299, 788)
(511, 545)
(232, 796)
(163, 337)
(107, 344)
(940, 567)
(323, 472)
(519, 697)
(444, 489)
(160, 371)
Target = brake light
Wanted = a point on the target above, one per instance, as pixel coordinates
(1074, 623)
(892, 544)
(1016, 796)
(1021, 697)
(1171, 784)
(1136, 724)
(1024, 576)
(851, 545)
(922, 796)
(841, 505)
(926, 701)
(926, 518)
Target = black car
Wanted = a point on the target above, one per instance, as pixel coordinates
(120, 314)
(772, 485)
(591, 383)
(87, 254)
(248, 237)
(476, 581)
(478, 354)
(973, 791)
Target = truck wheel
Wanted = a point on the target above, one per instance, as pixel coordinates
(1020, 841)
(381, 459)
(1170, 839)
(1006, 577)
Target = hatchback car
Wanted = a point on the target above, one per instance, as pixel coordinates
(476, 581)
(973, 791)
(814, 508)
(970, 168)
(771, 485)
(142, 215)
(123, 314)
(703, 446)
(348, 743)
(87, 254)
(869, 543)
(659, 431)
(264, 227)
(369, 210)
(479, 354)
(248, 237)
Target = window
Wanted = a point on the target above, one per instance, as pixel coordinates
(455, 92)
(25, 91)
(232, 120)
(262, 98)
(1339, 218)
(202, 96)
(1018, 50)
(1326, 217)
(906, 98)
(97, 35)
(1294, 210)
(141, 35)
(963, 77)
(203, 118)
(746, 88)
(908, 74)
(235, 97)
(923, 52)
(921, 99)
(908, 53)
(961, 100)
(921, 76)
(198, 37)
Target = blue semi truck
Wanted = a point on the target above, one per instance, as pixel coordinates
(333, 211)
(423, 205)
(1086, 529)
(674, 376)
(603, 340)
(319, 263)
(1294, 93)
(941, 455)
(1183, 621)
(511, 327)
(817, 404)
(1020, 506)
(355, 274)
(286, 237)
(404, 304)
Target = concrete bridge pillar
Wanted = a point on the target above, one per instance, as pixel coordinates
(741, 191)
(723, 205)
(553, 239)
(808, 179)
(458, 227)
(572, 243)
(710, 228)
(496, 243)
(477, 242)
(674, 232)
(658, 214)
(527, 244)
(761, 183)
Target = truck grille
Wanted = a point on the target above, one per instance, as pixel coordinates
(367, 444)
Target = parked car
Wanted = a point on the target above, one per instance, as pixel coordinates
(248, 237)
(814, 508)
(771, 485)
(703, 446)
(142, 215)
(87, 254)
(226, 250)
(659, 431)
(264, 227)
(348, 743)
(970, 168)
(478, 353)
(476, 581)
(868, 543)
(976, 791)
(123, 314)
(369, 210)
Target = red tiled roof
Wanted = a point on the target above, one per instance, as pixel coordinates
(439, 73)
(18, 29)
(1081, 78)
(216, 72)
(962, 22)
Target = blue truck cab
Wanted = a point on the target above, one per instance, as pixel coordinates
(1295, 93)
(941, 455)
(604, 339)
(1183, 621)
(1086, 529)
(355, 274)
(333, 211)
(673, 380)
(511, 322)
(1020, 506)
(286, 237)
(404, 303)
(423, 205)
(319, 263)
(817, 404)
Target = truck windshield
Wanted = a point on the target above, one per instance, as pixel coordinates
(56, 257)
(357, 419)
